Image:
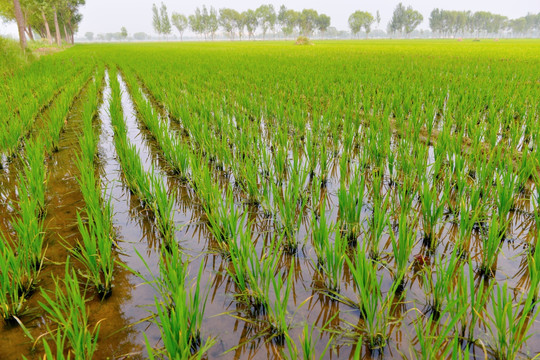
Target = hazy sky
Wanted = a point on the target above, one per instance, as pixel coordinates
(101, 16)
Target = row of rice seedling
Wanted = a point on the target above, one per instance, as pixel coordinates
(148, 187)
(175, 151)
(22, 103)
(22, 258)
(95, 250)
(57, 114)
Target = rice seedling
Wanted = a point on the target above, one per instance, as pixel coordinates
(533, 260)
(307, 346)
(491, 248)
(241, 272)
(474, 296)
(439, 282)
(261, 273)
(14, 284)
(378, 223)
(96, 254)
(506, 186)
(179, 308)
(330, 254)
(57, 115)
(59, 341)
(510, 323)
(290, 203)
(35, 174)
(432, 211)
(350, 206)
(402, 246)
(68, 310)
(278, 315)
(224, 221)
(163, 206)
(374, 308)
(179, 321)
(29, 228)
(434, 338)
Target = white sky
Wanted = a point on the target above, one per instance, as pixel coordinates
(102, 16)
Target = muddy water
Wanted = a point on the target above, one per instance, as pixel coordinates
(123, 315)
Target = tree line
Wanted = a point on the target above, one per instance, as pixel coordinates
(207, 21)
(34, 16)
(450, 23)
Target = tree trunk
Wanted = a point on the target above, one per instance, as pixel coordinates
(30, 34)
(57, 29)
(66, 34)
(47, 30)
(20, 23)
(71, 32)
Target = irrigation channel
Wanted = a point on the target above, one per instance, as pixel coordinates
(189, 231)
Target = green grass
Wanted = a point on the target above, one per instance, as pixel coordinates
(12, 56)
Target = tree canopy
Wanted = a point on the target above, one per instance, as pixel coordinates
(359, 20)
(404, 20)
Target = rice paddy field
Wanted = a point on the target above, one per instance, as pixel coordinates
(376, 199)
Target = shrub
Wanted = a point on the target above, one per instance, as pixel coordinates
(303, 40)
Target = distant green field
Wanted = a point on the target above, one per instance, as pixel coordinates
(244, 200)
